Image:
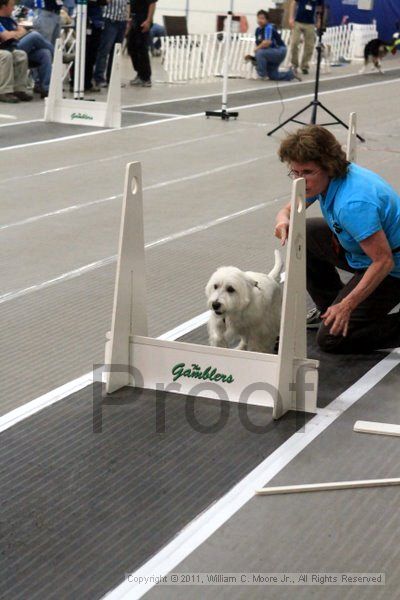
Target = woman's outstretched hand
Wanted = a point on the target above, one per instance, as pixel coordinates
(282, 231)
(338, 316)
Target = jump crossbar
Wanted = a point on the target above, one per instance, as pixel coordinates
(287, 381)
(377, 428)
(323, 487)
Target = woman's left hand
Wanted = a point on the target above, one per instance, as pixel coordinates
(337, 315)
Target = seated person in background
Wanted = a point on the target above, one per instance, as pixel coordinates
(270, 51)
(156, 33)
(13, 74)
(39, 51)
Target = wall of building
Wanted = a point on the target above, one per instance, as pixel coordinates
(202, 14)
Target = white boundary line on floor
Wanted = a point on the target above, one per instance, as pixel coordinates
(91, 133)
(34, 406)
(13, 295)
(148, 112)
(192, 116)
(20, 122)
(253, 89)
(206, 524)
(125, 154)
(10, 117)
(346, 89)
(154, 186)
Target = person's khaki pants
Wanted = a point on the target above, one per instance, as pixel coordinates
(308, 32)
(13, 71)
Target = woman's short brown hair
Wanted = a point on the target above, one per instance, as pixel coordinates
(316, 144)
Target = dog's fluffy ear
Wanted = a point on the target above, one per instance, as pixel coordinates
(251, 281)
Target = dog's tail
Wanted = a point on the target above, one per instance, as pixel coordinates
(276, 271)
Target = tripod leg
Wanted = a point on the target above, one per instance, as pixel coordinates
(290, 119)
(314, 113)
(338, 120)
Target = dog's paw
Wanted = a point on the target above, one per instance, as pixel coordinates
(217, 342)
(242, 345)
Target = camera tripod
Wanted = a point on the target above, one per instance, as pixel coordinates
(315, 103)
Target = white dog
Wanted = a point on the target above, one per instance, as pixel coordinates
(245, 305)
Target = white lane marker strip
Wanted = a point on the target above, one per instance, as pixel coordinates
(245, 90)
(192, 116)
(187, 327)
(154, 186)
(220, 169)
(8, 117)
(148, 112)
(34, 406)
(61, 211)
(92, 133)
(125, 154)
(19, 122)
(13, 295)
(206, 524)
(292, 99)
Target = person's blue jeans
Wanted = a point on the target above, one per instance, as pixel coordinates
(268, 61)
(40, 55)
(47, 23)
(113, 33)
(156, 32)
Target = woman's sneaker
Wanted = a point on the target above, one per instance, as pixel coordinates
(136, 81)
(313, 319)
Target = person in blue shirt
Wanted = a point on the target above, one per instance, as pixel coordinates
(359, 233)
(303, 16)
(40, 51)
(270, 51)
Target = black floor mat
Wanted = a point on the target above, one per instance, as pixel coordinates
(79, 508)
(91, 490)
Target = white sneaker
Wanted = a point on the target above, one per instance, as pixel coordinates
(136, 81)
(313, 319)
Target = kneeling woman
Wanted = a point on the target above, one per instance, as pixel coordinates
(360, 233)
(270, 51)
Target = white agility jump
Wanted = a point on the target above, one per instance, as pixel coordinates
(287, 381)
(79, 111)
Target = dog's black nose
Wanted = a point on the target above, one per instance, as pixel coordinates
(216, 305)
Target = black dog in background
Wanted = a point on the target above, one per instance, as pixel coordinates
(377, 49)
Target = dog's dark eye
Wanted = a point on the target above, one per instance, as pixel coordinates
(230, 289)
(215, 286)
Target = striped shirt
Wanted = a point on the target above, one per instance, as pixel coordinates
(117, 10)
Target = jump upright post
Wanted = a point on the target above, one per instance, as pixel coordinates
(224, 113)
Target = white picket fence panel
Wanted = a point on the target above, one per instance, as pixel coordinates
(199, 57)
